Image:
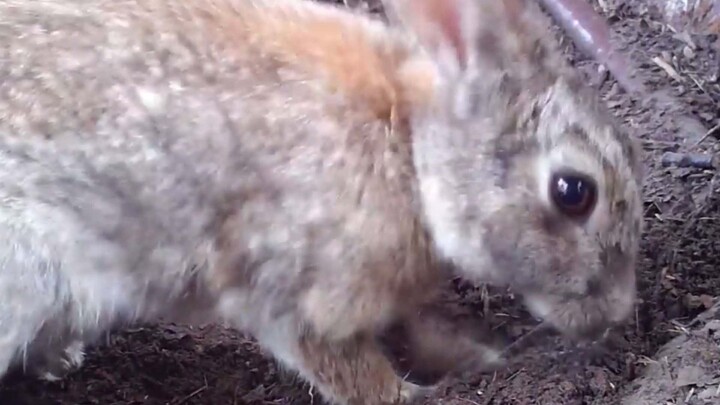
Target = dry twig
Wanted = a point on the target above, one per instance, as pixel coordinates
(697, 160)
(662, 64)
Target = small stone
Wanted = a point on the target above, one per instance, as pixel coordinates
(709, 393)
(689, 375)
(688, 52)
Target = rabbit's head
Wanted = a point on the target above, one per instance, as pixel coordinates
(525, 179)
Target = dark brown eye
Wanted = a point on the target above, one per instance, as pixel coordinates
(574, 194)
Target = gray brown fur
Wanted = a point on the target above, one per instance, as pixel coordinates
(294, 170)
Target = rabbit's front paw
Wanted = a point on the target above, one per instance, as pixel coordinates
(355, 372)
(59, 364)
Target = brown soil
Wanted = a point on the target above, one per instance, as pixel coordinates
(678, 276)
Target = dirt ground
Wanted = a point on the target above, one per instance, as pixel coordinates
(679, 277)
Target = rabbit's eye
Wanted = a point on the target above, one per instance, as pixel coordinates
(574, 194)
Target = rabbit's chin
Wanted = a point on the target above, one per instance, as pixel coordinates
(582, 319)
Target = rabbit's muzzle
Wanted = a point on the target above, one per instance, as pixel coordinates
(568, 277)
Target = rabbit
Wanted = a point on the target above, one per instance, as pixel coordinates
(297, 171)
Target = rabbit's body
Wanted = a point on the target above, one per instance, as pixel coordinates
(129, 168)
(256, 162)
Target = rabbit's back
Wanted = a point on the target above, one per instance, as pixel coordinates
(166, 92)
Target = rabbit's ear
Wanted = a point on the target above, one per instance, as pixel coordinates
(446, 29)
(452, 30)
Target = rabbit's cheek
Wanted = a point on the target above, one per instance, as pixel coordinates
(522, 254)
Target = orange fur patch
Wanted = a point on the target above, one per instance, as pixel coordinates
(357, 60)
